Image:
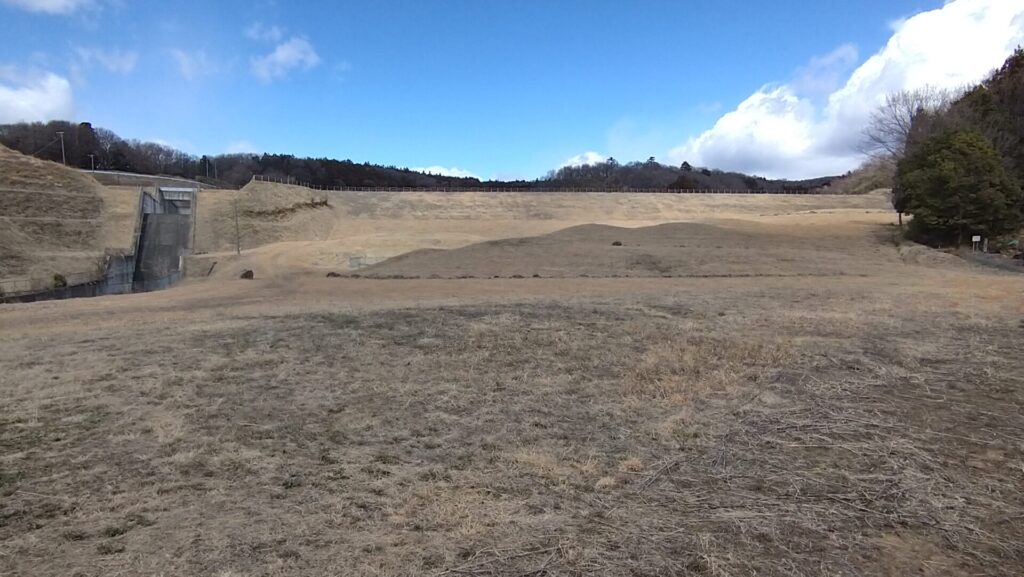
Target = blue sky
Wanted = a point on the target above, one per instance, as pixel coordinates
(499, 89)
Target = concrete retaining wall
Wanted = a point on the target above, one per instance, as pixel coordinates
(117, 279)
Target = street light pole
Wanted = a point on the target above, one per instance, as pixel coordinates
(63, 159)
(92, 161)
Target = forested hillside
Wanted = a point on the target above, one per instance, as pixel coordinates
(963, 164)
(652, 174)
(88, 147)
(996, 109)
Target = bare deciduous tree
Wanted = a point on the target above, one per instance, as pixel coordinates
(889, 126)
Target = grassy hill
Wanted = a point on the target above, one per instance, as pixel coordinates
(719, 248)
(872, 175)
(51, 221)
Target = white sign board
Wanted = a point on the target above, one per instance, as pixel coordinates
(976, 238)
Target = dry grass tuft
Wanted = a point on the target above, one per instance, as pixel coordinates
(631, 465)
(687, 369)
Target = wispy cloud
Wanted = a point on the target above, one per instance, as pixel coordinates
(824, 74)
(34, 96)
(263, 33)
(48, 6)
(116, 61)
(341, 70)
(709, 107)
(295, 54)
(193, 64)
(793, 130)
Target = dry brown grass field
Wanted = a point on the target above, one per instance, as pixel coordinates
(773, 389)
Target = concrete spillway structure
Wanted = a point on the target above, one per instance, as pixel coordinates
(166, 225)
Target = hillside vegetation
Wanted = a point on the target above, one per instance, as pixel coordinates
(961, 172)
(875, 174)
(612, 175)
(86, 147)
(996, 109)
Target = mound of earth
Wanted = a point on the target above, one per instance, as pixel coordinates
(725, 248)
(266, 213)
(51, 221)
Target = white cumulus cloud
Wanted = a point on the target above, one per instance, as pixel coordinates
(296, 53)
(793, 130)
(445, 171)
(116, 61)
(583, 159)
(34, 96)
(48, 6)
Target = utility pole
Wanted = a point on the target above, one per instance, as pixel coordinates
(63, 159)
(238, 240)
(92, 161)
(195, 222)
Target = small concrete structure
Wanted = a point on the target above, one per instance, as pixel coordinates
(178, 200)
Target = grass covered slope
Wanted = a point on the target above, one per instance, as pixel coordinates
(267, 213)
(280, 234)
(51, 220)
(724, 248)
